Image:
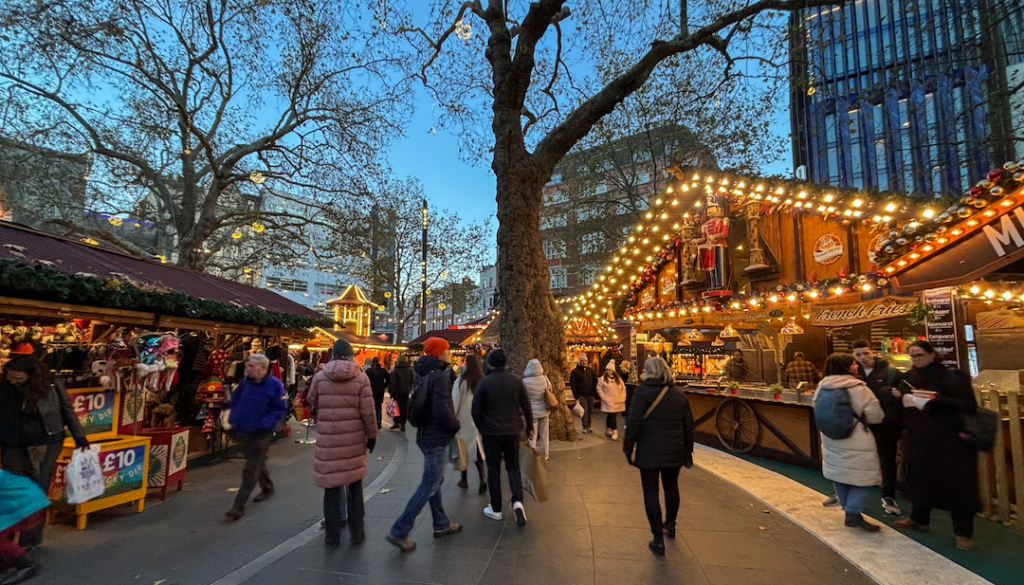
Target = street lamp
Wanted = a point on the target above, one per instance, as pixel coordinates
(423, 275)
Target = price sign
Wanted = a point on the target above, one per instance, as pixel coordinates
(95, 408)
(123, 469)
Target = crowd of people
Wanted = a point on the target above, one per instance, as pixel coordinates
(481, 416)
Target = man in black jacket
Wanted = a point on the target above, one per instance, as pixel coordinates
(378, 384)
(500, 405)
(433, 439)
(583, 382)
(881, 378)
(401, 382)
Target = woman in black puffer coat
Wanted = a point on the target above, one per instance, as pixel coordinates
(664, 443)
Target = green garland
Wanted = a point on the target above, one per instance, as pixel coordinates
(45, 284)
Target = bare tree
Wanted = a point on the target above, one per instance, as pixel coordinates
(191, 108)
(524, 58)
(388, 236)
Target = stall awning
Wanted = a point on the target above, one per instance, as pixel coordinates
(989, 240)
(456, 336)
(28, 247)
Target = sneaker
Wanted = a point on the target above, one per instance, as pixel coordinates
(615, 435)
(453, 528)
(25, 573)
(891, 507)
(964, 543)
(490, 513)
(831, 502)
(404, 544)
(520, 512)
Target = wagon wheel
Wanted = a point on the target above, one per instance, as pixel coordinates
(737, 425)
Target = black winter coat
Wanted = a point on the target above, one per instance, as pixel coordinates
(378, 382)
(881, 386)
(401, 381)
(54, 409)
(943, 469)
(500, 405)
(665, 439)
(443, 424)
(583, 382)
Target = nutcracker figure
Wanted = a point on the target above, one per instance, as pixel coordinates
(713, 247)
(753, 213)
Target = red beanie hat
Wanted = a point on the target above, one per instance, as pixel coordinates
(434, 346)
(23, 349)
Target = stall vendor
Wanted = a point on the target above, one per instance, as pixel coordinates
(801, 370)
(736, 368)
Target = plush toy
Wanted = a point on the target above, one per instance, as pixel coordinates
(257, 346)
(163, 415)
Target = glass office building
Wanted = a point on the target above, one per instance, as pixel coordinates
(913, 96)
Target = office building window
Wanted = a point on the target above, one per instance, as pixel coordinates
(552, 221)
(593, 243)
(558, 276)
(556, 197)
(288, 284)
(554, 248)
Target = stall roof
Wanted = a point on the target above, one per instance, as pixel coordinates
(29, 247)
(456, 336)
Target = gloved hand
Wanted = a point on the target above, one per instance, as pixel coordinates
(911, 401)
(370, 444)
(688, 464)
(81, 442)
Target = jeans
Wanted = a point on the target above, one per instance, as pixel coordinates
(428, 492)
(588, 409)
(887, 438)
(542, 430)
(496, 447)
(334, 511)
(19, 460)
(255, 448)
(670, 482)
(851, 497)
(377, 406)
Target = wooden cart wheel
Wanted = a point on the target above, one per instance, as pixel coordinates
(737, 425)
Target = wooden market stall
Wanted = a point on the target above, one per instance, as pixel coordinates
(124, 335)
(353, 318)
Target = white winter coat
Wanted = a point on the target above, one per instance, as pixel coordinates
(612, 393)
(853, 460)
(536, 388)
(462, 400)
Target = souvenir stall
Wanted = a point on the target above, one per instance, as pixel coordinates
(724, 263)
(121, 343)
(353, 318)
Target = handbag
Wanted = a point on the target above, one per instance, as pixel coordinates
(657, 401)
(550, 397)
(392, 409)
(978, 429)
(534, 473)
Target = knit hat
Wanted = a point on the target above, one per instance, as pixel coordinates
(497, 358)
(610, 366)
(434, 346)
(23, 349)
(343, 350)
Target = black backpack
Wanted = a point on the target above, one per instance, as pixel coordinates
(421, 401)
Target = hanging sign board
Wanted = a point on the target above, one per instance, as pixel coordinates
(941, 326)
(874, 310)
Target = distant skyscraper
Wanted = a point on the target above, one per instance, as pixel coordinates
(907, 95)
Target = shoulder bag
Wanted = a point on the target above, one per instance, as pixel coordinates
(550, 397)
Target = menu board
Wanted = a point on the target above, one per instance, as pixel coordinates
(882, 334)
(941, 325)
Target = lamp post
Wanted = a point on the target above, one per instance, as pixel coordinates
(423, 275)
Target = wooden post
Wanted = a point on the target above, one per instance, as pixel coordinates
(984, 486)
(1017, 449)
(999, 452)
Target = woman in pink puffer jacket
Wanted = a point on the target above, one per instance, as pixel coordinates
(346, 428)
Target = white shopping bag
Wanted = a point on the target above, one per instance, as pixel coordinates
(84, 477)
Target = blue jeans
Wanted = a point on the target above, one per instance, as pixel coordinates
(851, 497)
(428, 492)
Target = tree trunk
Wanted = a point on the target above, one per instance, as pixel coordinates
(531, 322)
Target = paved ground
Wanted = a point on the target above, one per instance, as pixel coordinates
(592, 530)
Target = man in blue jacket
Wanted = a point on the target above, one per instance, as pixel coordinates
(258, 403)
(432, 437)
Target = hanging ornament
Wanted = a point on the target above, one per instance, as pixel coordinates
(964, 212)
(683, 342)
(694, 335)
(257, 177)
(728, 332)
(717, 342)
(237, 234)
(792, 328)
(258, 227)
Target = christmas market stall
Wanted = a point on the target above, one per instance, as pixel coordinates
(966, 263)
(729, 276)
(353, 318)
(146, 350)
